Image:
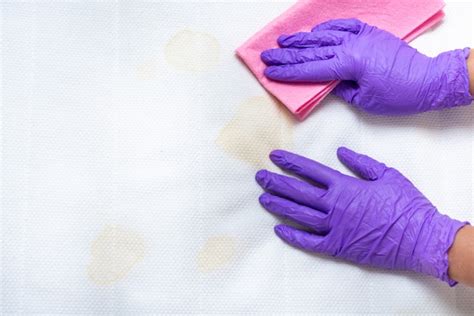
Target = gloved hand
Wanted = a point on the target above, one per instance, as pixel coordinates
(382, 74)
(380, 220)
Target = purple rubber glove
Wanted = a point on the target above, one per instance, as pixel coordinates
(382, 74)
(380, 220)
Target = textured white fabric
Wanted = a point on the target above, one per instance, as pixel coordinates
(130, 138)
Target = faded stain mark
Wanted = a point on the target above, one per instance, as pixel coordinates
(260, 125)
(146, 70)
(192, 51)
(114, 253)
(217, 252)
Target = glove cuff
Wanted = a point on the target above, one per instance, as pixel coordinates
(439, 239)
(452, 84)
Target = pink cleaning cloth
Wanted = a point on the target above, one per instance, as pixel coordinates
(405, 18)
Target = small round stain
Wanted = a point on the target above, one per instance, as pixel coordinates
(145, 71)
(192, 51)
(217, 252)
(114, 253)
(259, 126)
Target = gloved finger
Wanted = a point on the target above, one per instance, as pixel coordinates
(313, 71)
(313, 39)
(348, 91)
(364, 166)
(311, 218)
(344, 25)
(304, 167)
(282, 56)
(300, 239)
(293, 189)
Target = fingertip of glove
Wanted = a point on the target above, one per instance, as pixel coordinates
(278, 156)
(271, 72)
(282, 39)
(342, 152)
(260, 176)
(264, 199)
(280, 231)
(265, 56)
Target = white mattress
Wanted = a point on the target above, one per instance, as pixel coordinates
(130, 138)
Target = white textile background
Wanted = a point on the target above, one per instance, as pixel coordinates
(130, 136)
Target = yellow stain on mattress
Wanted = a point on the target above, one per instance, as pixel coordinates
(217, 252)
(260, 125)
(114, 253)
(192, 51)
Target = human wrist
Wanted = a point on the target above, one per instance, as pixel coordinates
(470, 69)
(461, 255)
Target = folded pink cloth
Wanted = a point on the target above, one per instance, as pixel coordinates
(405, 18)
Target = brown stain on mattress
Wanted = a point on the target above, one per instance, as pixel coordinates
(260, 125)
(192, 51)
(114, 253)
(216, 252)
